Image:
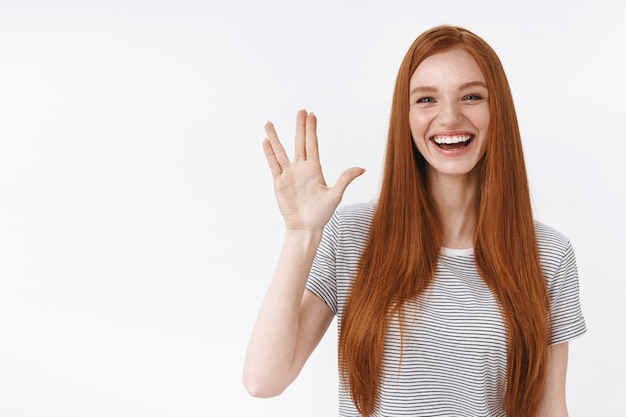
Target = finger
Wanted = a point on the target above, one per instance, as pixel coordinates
(345, 179)
(277, 148)
(273, 163)
(300, 143)
(311, 138)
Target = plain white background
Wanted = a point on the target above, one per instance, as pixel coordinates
(138, 228)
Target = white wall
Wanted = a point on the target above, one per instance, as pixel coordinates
(138, 229)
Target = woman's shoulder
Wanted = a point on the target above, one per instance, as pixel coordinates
(360, 209)
(550, 238)
(357, 212)
(555, 249)
(355, 216)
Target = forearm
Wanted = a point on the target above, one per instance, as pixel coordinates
(274, 356)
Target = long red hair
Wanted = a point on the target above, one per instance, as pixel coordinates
(406, 222)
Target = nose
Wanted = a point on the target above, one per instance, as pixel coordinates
(450, 114)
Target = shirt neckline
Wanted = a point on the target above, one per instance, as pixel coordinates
(457, 252)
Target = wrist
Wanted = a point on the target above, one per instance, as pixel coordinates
(303, 235)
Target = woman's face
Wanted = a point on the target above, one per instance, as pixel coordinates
(449, 112)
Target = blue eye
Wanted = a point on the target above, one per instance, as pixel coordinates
(473, 97)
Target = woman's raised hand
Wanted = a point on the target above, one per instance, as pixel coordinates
(304, 199)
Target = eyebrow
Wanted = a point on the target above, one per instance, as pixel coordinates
(429, 89)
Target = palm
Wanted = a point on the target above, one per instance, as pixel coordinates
(304, 199)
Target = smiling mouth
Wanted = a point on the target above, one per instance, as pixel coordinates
(453, 142)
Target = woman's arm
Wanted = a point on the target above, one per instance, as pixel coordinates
(290, 324)
(292, 321)
(552, 403)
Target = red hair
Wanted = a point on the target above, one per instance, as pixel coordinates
(406, 221)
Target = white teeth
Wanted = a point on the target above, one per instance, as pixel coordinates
(451, 139)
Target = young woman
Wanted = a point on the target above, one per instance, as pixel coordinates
(451, 300)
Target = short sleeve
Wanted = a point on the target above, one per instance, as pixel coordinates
(322, 278)
(566, 318)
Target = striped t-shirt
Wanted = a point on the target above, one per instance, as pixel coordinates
(454, 351)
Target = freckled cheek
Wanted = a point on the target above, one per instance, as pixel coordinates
(485, 120)
(419, 125)
(481, 119)
(418, 137)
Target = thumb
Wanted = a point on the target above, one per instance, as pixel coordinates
(346, 178)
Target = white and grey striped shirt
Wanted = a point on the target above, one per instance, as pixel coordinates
(453, 357)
